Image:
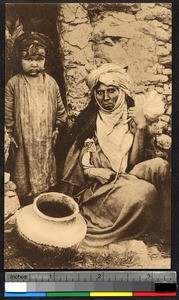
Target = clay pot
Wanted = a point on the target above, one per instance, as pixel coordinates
(52, 220)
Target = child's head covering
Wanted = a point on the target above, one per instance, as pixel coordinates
(32, 43)
(110, 74)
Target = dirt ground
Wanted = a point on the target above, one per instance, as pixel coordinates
(148, 253)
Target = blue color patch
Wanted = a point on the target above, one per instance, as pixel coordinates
(25, 294)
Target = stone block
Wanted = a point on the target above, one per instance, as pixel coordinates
(159, 69)
(162, 51)
(159, 89)
(165, 26)
(167, 89)
(161, 34)
(160, 43)
(169, 110)
(167, 60)
(168, 46)
(167, 71)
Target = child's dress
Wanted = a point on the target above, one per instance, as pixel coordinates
(31, 113)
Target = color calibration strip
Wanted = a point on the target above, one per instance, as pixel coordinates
(91, 284)
(93, 294)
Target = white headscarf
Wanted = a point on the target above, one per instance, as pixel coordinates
(110, 74)
(112, 132)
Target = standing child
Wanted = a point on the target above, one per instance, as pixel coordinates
(34, 114)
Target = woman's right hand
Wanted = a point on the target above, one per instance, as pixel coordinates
(101, 174)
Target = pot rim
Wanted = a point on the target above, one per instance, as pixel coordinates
(63, 219)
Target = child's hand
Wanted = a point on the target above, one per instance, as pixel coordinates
(54, 137)
(14, 142)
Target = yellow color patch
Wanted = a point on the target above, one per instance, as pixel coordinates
(111, 294)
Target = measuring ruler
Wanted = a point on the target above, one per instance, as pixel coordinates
(90, 283)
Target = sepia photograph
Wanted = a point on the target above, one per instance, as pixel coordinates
(88, 134)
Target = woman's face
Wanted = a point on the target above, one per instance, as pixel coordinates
(107, 96)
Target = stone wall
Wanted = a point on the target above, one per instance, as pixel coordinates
(134, 35)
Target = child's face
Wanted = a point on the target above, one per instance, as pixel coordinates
(32, 65)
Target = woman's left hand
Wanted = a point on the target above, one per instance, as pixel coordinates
(137, 115)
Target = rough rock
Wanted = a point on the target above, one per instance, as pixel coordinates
(10, 193)
(9, 224)
(167, 5)
(169, 110)
(108, 41)
(124, 17)
(155, 79)
(162, 51)
(111, 27)
(164, 141)
(68, 12)
(9, 186)
(130, 7)
(11, 205)
(116, 55)
(160, 13)
(160, 43)
(76, 56)
(169, 98)
(167, 60)
(136, 35)
(169, 46)
(167, 89)
(159, 89)
(167, 71)
(166, 27)
(149, 28)
(81, 13)
(80, 21)
(147, 5)
(79, 36)
(6, 177)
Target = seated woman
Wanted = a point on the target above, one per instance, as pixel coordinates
(118, 192)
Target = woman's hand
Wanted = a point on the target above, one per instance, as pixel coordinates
(101, 174)
(136, 113)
